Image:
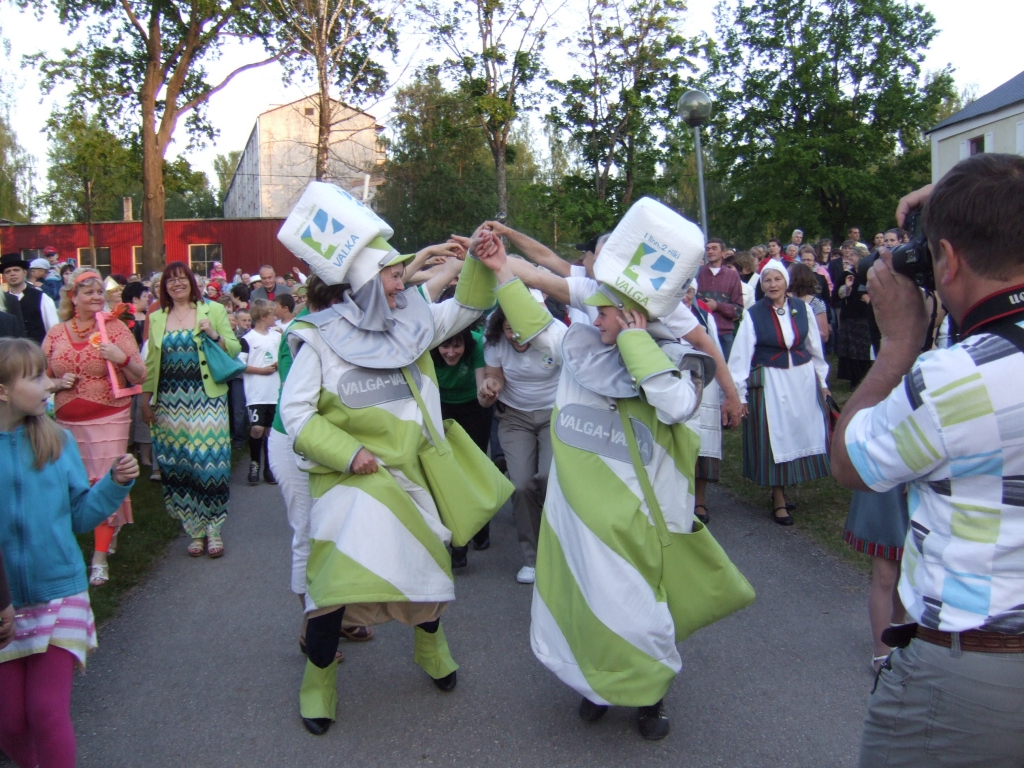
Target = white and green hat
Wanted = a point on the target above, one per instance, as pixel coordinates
(342, 240)
(651, 254)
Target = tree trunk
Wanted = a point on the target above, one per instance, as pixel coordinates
(323, 137)
(88, 221)
(627, 195)
(153, 194)
(501, 180)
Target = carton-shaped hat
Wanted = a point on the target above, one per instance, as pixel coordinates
(652, 253)
(341, 240)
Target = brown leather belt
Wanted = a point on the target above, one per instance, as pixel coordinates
(974, 640)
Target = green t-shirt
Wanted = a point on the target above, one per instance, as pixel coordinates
(284, 364)
(458, 382)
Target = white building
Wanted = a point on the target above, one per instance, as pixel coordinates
(993, 123)
(280, 158)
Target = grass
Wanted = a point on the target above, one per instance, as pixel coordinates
(139, 546)
(822, 505)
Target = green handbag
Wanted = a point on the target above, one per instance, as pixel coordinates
(700, 582)
(223, 367)
(467, 488)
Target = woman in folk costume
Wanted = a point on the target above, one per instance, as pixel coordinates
(600, 620)
(781, 375)
(377, 543)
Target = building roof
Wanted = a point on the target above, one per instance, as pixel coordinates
(1009, 93)
(312, 97)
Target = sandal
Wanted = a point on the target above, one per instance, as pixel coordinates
(154, 476)
(112, 549)
(787, 519)
(706, 517)
(100, 575)
(357, 634)
(215, 548)
(338, 655)
(197, 547)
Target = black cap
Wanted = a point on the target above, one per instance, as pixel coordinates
(591, 244)
(12, 260)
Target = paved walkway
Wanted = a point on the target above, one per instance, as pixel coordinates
(202, 667)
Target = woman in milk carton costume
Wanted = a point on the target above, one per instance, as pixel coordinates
(377, 543)
(598, 621)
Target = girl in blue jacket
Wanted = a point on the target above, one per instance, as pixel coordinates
(46, 500)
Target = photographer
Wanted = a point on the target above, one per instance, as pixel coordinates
(948, 423)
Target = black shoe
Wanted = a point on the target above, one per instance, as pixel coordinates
(268, 476)
(482, 540)
(480, 546)
(459, 557)
(254, 473)
(591, 712)
(786, 519)
(446, 683)
(705, 518)
(318, 726)
(653, 723)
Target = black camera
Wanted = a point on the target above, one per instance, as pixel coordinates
(912, 259)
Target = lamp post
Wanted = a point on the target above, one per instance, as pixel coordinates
(695, 109)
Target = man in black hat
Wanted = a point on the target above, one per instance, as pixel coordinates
(37, 310)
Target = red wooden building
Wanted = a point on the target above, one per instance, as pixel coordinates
(245, 244)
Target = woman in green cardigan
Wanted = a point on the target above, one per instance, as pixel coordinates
(188, 410)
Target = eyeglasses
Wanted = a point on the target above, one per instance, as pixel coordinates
(177, 280)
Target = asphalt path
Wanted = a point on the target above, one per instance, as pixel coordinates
(202, 667)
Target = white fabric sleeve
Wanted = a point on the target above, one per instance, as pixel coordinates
(550, 340)
(580, 289)
(49, 311)
(814, 347)
(674, 397)
(450, 317)
(740, 357)
(680, 321)
(301, 393)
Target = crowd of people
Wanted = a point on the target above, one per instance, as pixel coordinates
(339, 387)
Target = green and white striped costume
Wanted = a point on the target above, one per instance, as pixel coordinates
(600, 619)
(377, 543)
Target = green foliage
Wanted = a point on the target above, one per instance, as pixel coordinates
(15, 176)
(224, 166)
(819, 113)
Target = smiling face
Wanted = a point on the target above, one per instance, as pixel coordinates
(179, 287)
(452, 350)
(391, 279)
(774, 285)
(713, 253)
(267, 278)
(88, 298)
(607, 322)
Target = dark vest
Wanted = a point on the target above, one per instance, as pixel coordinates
(769, 347)
(32, 313)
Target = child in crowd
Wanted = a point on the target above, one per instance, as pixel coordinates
(54, 625)
(241, 323)
(262, 384)
(284, 310)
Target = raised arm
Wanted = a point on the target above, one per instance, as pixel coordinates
(531, 249)
(534, 277)
(731, 406)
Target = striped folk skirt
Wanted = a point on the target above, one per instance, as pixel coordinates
(759, 463)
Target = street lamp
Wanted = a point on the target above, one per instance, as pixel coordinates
(695, 109)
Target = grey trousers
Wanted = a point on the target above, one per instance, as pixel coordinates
(526, 439)
(939, 707)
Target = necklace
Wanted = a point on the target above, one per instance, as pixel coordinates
(181, 318)
(780, 311)
(79, 331)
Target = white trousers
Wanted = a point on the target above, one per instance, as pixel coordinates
(294, 485)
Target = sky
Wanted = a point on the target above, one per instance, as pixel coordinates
(980, 40)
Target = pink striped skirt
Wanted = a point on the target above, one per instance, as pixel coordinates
(101, 442)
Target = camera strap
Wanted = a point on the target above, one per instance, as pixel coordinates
(997, 314)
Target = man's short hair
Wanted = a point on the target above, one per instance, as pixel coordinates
(267, 266)
(797, 232)
(286, 300)
(721, 243)
(240, 291)
(979, 208)
(776, 241)
(132, 291)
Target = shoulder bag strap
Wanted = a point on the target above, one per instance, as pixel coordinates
(1012, 332)
(438, 440)
(642, 476)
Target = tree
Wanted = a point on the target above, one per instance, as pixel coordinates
(16, 167)
(143, 65)
(495, 65)
(630, 55)
(333, 43)
(224, 166)
(820, 112)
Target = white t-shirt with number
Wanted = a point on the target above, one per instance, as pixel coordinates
(261, 390)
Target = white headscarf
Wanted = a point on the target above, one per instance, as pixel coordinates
(778, 267)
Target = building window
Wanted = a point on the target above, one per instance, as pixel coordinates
(102, 259)
(310, 111)
(201, 258)
(977, 145)
(137, 259)
(28, 254)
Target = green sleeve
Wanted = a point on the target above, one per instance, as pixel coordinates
(284, 359)
(478, 350)
(324, 443)
(642, 356)
(475, 288)
(527, 316)
(152, 359)
(221, 324)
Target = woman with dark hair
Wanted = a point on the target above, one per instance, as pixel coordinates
(524, 380)
(459, 365)
(189, 410)
(853, 339)
(803, 284)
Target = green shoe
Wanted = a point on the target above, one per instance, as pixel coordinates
(318, 697)
(433, 656)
